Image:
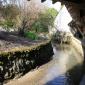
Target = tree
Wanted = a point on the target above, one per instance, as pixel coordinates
(29, 15)
(10, 14)
(45, 20)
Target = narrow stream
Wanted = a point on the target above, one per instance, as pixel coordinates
(54, 72)
(64, 60)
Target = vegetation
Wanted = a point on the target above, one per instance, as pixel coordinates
(7, 24)
(31, 35)
(29, 20)
(10, 14)
(45, 20)
(10, 11)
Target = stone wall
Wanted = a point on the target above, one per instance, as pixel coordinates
(13, 65)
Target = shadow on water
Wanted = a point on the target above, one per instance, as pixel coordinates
(75, 75)
(58, 81)
(71, 77)
(83, 67)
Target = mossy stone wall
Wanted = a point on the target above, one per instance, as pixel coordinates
(20, 62)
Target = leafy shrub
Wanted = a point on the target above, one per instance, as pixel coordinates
(31, 35)
(7, 24)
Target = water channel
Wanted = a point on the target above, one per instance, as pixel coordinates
(54, 72)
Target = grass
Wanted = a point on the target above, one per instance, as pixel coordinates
(31, 35)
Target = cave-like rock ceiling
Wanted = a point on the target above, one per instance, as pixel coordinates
(81, 4)
(75, 1)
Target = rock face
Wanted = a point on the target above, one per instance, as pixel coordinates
(13, 65)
